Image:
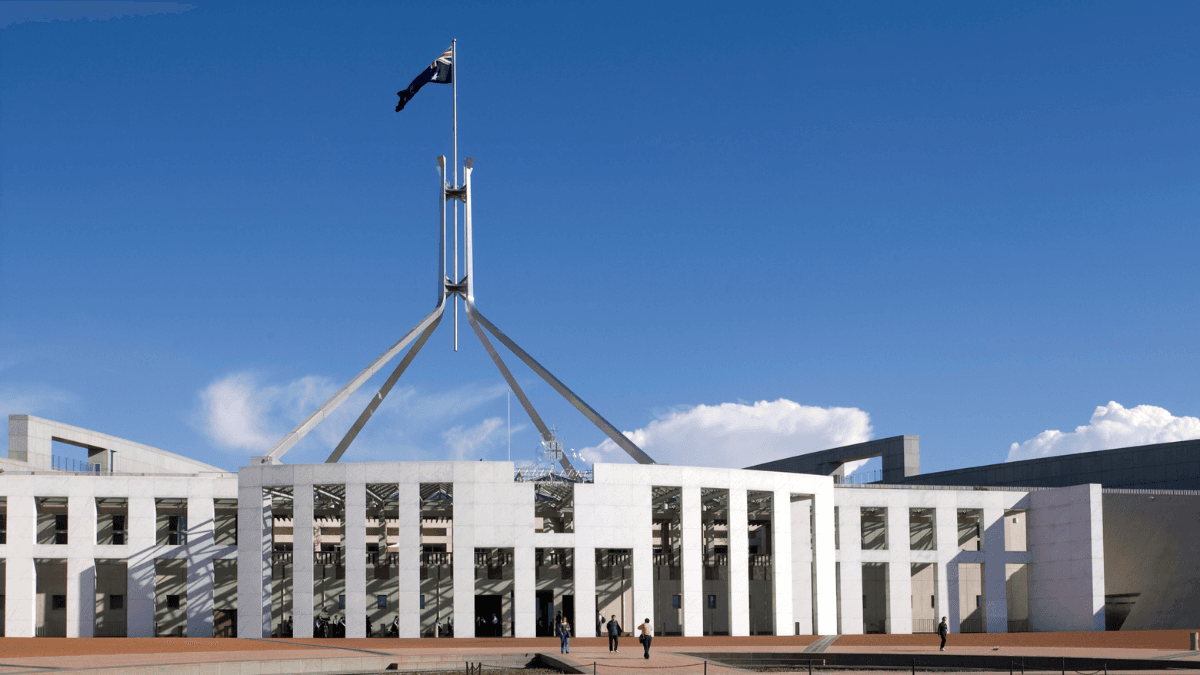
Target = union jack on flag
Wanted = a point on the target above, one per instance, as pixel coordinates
(440, 71)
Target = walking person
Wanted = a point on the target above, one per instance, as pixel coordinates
(599, 624)
(943, 628)
(646, 635)
(614, 632)
(564, 634)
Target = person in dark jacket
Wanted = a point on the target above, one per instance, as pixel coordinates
(943, 628)
(614, 631)
(564, 635)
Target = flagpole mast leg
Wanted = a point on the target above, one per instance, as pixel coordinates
(454, 84)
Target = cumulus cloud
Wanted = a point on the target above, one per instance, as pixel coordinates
(49, 10)
(466, 442)
(1111, 426)
(738, 435)
(241, 412)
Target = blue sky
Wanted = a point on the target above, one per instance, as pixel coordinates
(741, 231)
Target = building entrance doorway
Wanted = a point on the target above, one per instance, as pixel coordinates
(568, 610)
(545, 613)
(489, 615)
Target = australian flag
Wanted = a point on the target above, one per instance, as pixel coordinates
(440, 71)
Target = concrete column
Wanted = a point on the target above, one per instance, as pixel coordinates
(851, 558)
(946, 523)
(254, 562)
(899, 612)
(464, 559)
(302, 560)
(200, 573)
(781, 561)
(950, 602)
(585, 590)
(409, 564)
(140, 573)
(692, 554)
(995, 583)
(739, 563)
(824, 561)
(20, 580)
(643, 582)
(81, 597)
(525, 591)
(356, 560)
(81, 579)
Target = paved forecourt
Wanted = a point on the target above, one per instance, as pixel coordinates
(669, 655)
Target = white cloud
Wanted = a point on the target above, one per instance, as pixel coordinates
(739, 435)
(1111, 426)
(240, 412)
(33, 400)
(465, 442)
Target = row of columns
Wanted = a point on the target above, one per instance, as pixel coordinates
(946, 557)
(254, 585)
(80, 553)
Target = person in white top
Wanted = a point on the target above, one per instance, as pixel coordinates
(646, 633)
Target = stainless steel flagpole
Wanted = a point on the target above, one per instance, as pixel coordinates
(454, 157)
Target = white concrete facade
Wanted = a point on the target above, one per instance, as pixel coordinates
(59, 560)
(21, 552)
(492, 511)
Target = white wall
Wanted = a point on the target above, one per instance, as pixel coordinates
(1066, 579)
(81, 551)
(493, 511)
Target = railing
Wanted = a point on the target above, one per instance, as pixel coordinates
(621, 559)
(924, 625)
(327, 557)
(859, 477)
(434, 558)
(760, 559)
(486, 558)
(550, 557)
(717, 560)
(380, 558)
(74, 465)
(281, 557)
(665, 560)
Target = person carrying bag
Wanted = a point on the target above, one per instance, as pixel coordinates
(646, 634)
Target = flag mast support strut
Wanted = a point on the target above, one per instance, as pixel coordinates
(455, 287)
(454, 159)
